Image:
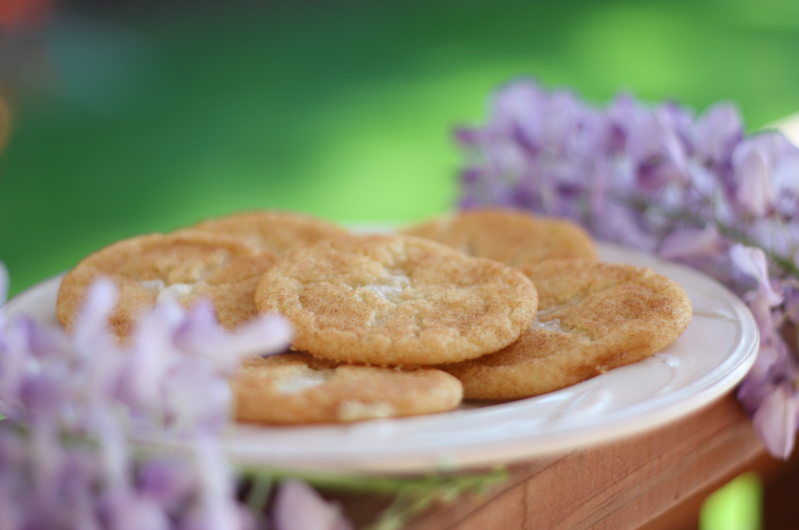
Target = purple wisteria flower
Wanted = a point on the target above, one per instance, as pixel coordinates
(695, 189)
(104, 436)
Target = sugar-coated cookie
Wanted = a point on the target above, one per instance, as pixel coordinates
(397, 300)
(298, 388)
(184, 265)
(275, 231)
(592, 317)
(513, 237)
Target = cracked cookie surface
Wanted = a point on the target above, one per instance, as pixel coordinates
(592, 317)
(275, 231)
(397, 300)
(515, 238)
(184, 265)
(299, 388)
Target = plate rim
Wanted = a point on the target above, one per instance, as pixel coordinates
(694, 396)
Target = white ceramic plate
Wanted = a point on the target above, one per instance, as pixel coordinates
(711, 356)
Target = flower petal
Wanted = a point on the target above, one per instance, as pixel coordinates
(754, 161)
(3, 283)
(775, 421)
(264, 335)
(151, 355)
(91, 325)
(773, 365)
(792, 302)
(715, 133)
(133, 512)
(517, 110)
(752, 261)
(691, 243)
(300, 507)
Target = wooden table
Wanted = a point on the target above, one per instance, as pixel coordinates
(631, 483)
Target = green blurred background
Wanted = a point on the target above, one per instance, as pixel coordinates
(145, 116)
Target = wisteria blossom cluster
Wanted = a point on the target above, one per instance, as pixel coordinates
(100, 435)
(695, 189)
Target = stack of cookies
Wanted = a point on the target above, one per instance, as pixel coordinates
(488, 304)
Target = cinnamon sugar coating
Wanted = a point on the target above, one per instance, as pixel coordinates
(299, 388)
(279, 232)
(185, 265)
(513, 237)
(592, 317)
(397, 300)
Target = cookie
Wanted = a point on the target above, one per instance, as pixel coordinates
(184, 265)
(512, 237)
(592, 317)
(274, 231)
(397, 300)
(298, 388)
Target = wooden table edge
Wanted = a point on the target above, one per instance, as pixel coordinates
(617, 485)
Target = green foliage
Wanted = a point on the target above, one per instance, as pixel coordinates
(736, 506)
(150, 118)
